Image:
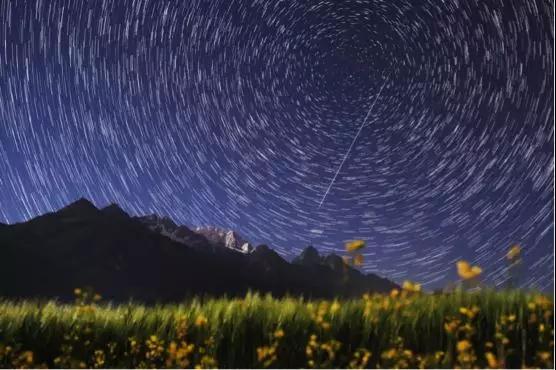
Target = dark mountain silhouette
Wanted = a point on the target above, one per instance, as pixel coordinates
(122, 258)
(114, 210)
(308, 257)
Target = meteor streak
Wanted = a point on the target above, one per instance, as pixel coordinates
(353, 143)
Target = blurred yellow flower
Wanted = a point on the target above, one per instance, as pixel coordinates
(27, 357)
(491, 359)
(358, 260)
(514, 252)
(451, 326)
(469, 312)
(389, 354)
(466, 271)
(463, 345)
(394, 293)
(201, 320)
(355, 245)
(545, 356)
(411, 287)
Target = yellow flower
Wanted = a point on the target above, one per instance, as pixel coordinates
(99, 358)
(390, 354)
(463, 345)
(491, 359)
(262, 353)
(77, 291)
(463, 267)
(394, 293)
(469, 312)
(358, 260)
(411, 287)
(514, 252)
(466, 271)
(278, 333)
(201, 320)
(545, 356)
(451, 326)
(27, 357)
(355, 245)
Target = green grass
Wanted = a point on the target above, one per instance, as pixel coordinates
(235, 328)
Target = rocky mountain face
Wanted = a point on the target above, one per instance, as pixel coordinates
(227, 238)
(200, 237)
(153, 260)
(179, 233)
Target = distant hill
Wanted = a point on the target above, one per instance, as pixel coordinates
(124, 257)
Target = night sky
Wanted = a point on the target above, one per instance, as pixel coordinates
(423, 127)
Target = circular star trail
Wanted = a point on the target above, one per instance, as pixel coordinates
(239, 113)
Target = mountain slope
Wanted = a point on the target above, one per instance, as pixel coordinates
(120, 257)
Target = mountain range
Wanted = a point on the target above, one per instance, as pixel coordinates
(152, 259)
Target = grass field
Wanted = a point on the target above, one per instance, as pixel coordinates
(405, 329)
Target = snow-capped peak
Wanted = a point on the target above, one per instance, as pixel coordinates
(198, 237)
(229, 238)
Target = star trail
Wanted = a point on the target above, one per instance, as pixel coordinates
(239, 113)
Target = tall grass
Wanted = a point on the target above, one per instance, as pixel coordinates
(485, 329)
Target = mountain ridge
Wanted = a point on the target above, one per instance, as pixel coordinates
(198, 236)
(123, 258)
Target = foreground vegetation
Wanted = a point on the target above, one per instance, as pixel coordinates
(405, 329)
